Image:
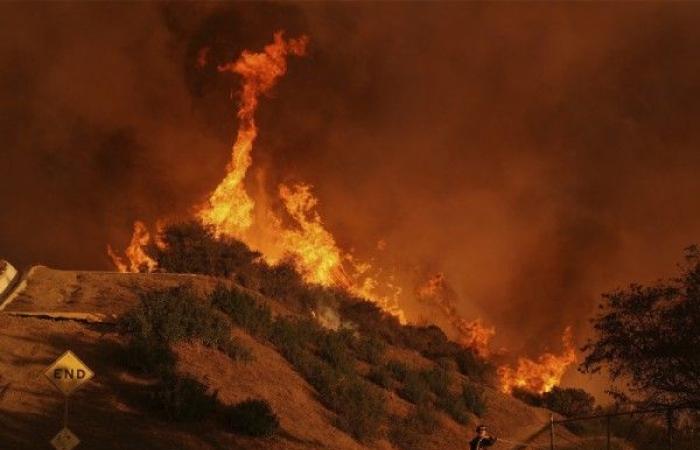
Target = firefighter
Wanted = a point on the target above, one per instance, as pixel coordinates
(482, 439)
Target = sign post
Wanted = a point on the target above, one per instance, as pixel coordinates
(67, 374)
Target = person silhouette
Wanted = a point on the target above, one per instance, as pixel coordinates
(482, 439)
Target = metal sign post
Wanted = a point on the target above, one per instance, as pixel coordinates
(67, 374)
(551, 432)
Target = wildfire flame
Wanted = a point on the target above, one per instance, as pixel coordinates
(318, 255)
(474, 333)
(542, 375)
(229, 209)
(138, 260)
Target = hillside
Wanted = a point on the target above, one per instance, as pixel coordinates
(51, 311)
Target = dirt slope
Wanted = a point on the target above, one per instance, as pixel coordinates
(106, 413)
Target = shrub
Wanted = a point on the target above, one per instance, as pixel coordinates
(183, 399)
(236, 351)
(438, 380)
(408, 433)
(370, 349)
(282, 282)
(252, 418)
(527, 396)
(167, 316)
(570, 402)
(243, 310)
(380, 376)
(191, 247)
(173, 315)
(370, 318)
(415, 388)
(473, 366)
(149, 356)
(474, 399)
(423, 418)
(334, 348)
(455, 406)
(290, 332)
(361, 407)
(398, 370)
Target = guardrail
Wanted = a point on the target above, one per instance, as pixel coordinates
(668, 415)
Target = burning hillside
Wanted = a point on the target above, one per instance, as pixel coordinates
(298, 231)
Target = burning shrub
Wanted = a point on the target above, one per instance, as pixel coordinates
(243, 310)
(191, 247)
(252, 418)
(183, 399)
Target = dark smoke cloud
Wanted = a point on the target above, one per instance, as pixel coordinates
(537, 155)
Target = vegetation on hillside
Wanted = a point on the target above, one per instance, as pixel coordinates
(645, 335)
(346, 365)
(166, 317)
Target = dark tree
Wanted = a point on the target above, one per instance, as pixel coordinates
(191, 247)
(649, 338)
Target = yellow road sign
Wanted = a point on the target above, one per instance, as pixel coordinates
(68, 373)
(65, 440)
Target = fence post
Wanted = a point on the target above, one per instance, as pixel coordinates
(669, 422)
(551, 432)
(607, 428)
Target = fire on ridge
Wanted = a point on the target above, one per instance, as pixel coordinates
(231, 211)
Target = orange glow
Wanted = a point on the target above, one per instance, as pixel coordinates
(473, 334)
(542, 375)
(137, 259)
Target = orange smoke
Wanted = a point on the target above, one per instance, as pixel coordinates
(542, 375)
(229, 208)
(474, 333)
(138, 260)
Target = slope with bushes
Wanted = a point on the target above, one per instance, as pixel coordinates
(237, 357)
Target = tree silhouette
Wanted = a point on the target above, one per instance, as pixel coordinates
(649, 338)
